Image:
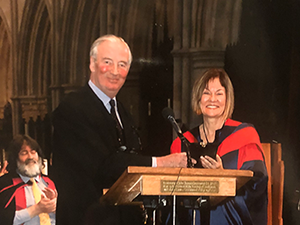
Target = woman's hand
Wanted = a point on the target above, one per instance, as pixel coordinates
(210, 163)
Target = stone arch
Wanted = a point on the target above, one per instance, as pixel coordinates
(34, 45)
(80, 26)
(5, 66)
(215, 23)
(84, 21)
(31, 102)
(138, 35)
(5, 81)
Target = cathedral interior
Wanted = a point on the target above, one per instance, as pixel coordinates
(44, 51)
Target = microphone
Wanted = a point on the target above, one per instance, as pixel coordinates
(168, 114)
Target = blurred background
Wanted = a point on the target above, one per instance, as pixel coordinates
(44, 54)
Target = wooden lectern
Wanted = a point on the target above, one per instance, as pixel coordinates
(174, 181)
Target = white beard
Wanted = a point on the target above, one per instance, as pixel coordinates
(29, 169)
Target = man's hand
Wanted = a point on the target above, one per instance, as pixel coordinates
(51, 194)
(172, 160)
(46, 205)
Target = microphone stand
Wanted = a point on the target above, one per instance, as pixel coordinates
(168, 114)
(188, 152)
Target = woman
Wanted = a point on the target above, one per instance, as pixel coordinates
(237, 146)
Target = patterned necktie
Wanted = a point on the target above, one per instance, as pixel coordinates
(44, 217)
(118, 125)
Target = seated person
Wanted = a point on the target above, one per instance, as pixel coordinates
(237, 146)
(26, 196)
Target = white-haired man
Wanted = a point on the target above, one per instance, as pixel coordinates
(94, 135)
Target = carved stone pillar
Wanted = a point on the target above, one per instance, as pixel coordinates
(55, 87)
(202, 30)
(16, 119)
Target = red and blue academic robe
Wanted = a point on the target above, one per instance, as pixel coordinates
(12, 196)
(239, 147)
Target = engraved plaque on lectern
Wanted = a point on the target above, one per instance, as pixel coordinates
(168, 186)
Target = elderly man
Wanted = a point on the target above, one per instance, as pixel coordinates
(94, 136)
(26, 196)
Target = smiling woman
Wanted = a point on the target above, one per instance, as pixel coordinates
(237, 146)
(213, 99)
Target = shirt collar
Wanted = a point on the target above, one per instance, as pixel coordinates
(25, 179)
(100, 94)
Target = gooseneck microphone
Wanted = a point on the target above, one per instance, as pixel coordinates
(168, 114)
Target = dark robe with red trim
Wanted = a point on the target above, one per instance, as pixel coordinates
(239, 147)
(12, 196)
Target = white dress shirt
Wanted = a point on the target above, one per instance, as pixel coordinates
(22, 216)
(105, 99)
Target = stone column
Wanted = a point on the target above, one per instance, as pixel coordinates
(201, 34)
(56, 90)
(16, 118)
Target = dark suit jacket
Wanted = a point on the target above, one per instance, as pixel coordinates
(85, 152)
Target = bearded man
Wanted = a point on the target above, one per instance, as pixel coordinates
(26, 195)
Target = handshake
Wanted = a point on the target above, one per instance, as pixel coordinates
(173, 160)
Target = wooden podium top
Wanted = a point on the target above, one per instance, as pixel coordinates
(174, 181)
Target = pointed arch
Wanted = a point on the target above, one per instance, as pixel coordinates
(80, 27)
(5, 66)
(34, 57)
